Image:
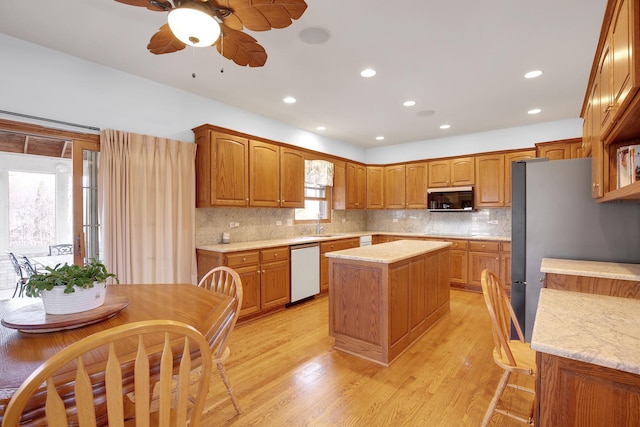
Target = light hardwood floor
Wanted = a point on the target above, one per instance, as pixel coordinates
(285, 373)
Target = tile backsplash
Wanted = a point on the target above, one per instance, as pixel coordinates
(272, 223)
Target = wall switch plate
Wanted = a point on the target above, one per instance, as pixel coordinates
(395, 219)
(234, 224)
(278, 222)
(344, 220)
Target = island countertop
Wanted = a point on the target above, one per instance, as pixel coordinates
(597, 329)
(605, 270)
(388, 253)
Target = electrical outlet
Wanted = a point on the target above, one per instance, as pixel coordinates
(494, 222)
(395, 220)
(234, 224)
(278, 222)
(344, 220)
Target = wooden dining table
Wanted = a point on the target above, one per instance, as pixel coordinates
(22, 352)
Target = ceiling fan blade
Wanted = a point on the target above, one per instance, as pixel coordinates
(241, 48)
(156, 5)
(164, 42)
(263, 15)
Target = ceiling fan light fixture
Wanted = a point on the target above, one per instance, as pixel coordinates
(193, 25)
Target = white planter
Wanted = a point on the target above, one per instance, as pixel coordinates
(57, 302)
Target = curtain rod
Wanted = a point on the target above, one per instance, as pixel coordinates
(26, 116)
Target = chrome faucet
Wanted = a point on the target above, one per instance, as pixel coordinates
(318, 227)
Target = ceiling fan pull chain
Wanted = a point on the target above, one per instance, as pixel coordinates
(193, 60)
(221, 55)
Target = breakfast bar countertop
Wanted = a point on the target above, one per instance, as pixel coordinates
(597, 329)
(388, 253)
(605, 270)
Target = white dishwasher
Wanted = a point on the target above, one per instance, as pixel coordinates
(305, 271)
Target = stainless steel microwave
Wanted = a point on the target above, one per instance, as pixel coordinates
(450, 199)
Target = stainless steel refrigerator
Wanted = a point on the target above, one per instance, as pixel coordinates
(554, 216)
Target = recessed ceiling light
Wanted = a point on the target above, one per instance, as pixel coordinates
(368, 72)
(534, 111)
(321, 128)
(289, 100)
(409, 103)
(533, 74)
(445, 126)
(379, 138)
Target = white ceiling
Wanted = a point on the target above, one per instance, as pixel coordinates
(463, 60)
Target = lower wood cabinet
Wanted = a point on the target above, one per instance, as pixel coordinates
(459, 256)
(574, 393)
(330, 246)
(265, 276)
(468, 258)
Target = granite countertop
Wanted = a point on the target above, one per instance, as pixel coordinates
(597, 329)
(387, 253)
(261, 244)
(605, 270)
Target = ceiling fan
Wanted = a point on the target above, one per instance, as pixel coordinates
(220, 23)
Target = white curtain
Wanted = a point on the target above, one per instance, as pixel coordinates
(147, 206)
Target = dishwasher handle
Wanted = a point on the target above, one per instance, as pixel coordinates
(304, 245)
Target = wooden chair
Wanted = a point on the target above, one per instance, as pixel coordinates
(21, 280)
(226, 281)
(82, 388)
(514, 356)
(62, 249)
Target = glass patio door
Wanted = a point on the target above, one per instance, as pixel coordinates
(86, 226)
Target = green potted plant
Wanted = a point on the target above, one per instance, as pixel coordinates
(69, 288)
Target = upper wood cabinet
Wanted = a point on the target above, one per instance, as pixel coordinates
(561, 150)
(611, 109)
(617, 74)
(232, 170)
(339, 189)
(452, 172)
(291, 178)
(375, 187)
(508, 159)
(222, 166)
(416, 185)
(264, 174)
(394, 184)
(356, 182)
(489, 190)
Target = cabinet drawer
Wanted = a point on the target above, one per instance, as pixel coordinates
(241, 259)
(274, 254)
(338, 245)
(458, 244)
(506, 246)
(484, 246)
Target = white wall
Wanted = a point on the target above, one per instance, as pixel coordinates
(501, 139)
(42, 82)
(45, 83)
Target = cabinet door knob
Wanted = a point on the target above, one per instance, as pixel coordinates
(244, 259)
(275, 255)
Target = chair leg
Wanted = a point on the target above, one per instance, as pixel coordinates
(496, 398)
(227, 384)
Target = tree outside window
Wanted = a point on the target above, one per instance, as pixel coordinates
(32, 208)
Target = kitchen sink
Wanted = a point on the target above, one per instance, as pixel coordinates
(325, 235)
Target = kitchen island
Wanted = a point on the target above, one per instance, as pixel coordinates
(382, 298)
